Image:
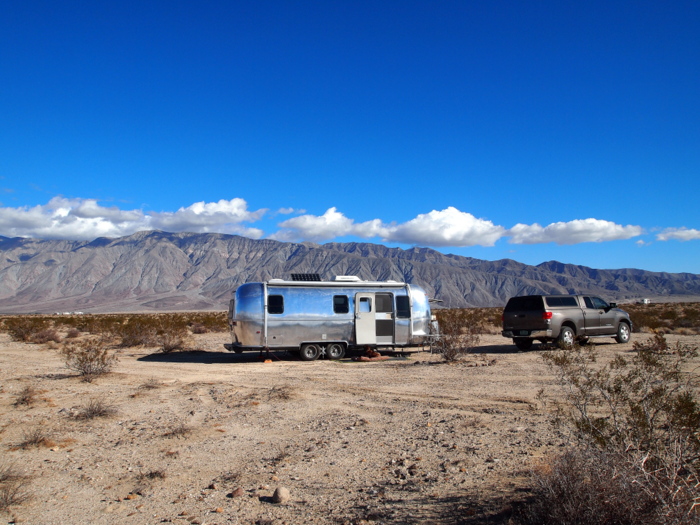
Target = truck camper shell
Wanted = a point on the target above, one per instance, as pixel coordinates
(326, 318)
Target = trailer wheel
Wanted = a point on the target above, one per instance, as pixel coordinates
(309, 352)
(335, 351)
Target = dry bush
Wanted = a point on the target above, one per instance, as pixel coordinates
(208, 321)
(636, 422)
(199, 328)
(45, 336)
(94, 408)
(36, 437)
(24, 328)
(90, 358)
(72, 333)
(27, 396)
(13, 486)
(178, 430)
(459, 332)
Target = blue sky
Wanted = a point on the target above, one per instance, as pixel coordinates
(533, 131)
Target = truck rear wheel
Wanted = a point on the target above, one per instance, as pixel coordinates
(523, 344)
(566, 337)
(623, 333)
(335, 351)
(309, 352)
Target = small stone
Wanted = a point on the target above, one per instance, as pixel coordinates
(281, 495)
(131, 496)
(275, 478)
(212, 486)
(218, 510)
(237, 493)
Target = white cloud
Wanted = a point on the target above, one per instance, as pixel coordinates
(678, 234)
(315, 228)
(449, 227)
(85, 219)
(572, 232)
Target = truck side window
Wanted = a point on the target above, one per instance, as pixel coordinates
(599, 303)
(589, 303)
(275, 304)
(403, 307)
(341, 304)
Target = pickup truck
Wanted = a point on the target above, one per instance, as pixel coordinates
(563, 319)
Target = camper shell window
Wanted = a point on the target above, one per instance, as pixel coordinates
(275, 304)
(341, 305)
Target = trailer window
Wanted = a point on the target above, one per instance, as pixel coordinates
(365, 304)
(403, 307)
(385, 302)
(275, 304)
(341, 304)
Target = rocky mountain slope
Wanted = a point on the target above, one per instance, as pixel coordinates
(154, 270)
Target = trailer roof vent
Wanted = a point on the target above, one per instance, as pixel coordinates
(306, 277)
(347, 278)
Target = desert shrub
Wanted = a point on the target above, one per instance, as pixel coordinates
(171, 332)
(27, 396)
(459, 332)
(24, 328)
(209, 321)
(96, 407)
(90, 358)
(36, 437)
(635, 420)
(13, 486)
(199, 328)
(178, 430)
(72, 333)
(45, 336)
(136, 331)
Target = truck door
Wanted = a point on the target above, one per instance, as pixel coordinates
(606, 316)
(592, 314)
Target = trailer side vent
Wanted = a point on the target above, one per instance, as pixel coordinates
(306, 277)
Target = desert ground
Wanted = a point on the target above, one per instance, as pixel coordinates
(207, 436)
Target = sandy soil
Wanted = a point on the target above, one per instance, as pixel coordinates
(207, 436)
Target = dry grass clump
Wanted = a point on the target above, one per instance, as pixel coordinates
(636, 422)
(178, 430)
(90, 358)
(27, 396)
(94, 408)
(13, 486)
(36, 437)
(46, 336)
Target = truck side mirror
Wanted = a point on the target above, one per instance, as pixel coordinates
(612, 305)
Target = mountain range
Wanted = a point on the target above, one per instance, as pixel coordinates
(160, 271)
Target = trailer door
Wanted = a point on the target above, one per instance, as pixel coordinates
(374, 318)
(365, 331)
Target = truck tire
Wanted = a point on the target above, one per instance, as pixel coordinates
(335, 351)
(309, 352)
(566, 337)
(522, 343)
(623, 333)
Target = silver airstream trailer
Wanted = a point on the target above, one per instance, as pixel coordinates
(325, 318)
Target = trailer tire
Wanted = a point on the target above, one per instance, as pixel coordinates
(309, 352)
(335, 351)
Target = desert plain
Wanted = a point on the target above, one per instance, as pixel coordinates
(206, 436)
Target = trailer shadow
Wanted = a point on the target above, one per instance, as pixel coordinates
(212, 358)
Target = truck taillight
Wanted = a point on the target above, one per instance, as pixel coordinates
(546, 315)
